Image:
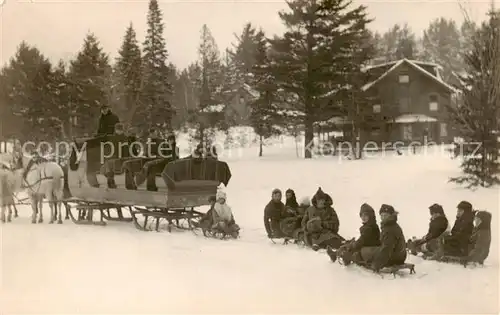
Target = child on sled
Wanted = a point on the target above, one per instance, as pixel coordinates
(222, 216)
(429, 244)
(392, 249)
(369, 236)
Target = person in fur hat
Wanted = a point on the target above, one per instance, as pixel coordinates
(480, 240)
(457, 242)
(274, 212)
(437, 226)
(321, 223)
(222, 214)
(369, 236)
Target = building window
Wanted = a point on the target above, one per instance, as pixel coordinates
(377, 108)
(443, 130)
(433, 103)
(404, 104)
(404, 78)
(407, 132)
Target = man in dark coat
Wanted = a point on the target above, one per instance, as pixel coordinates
(273, 214)
(369, 237)
(457, 243)
(392, 250)
(107, 122)
(437, 226)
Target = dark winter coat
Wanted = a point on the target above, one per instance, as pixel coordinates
(369, 236)
(480, 240)
(437, 226)
(107, 124)
(393, 244)
(274, 212)
(458, 242)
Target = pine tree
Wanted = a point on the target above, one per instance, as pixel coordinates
(477, 116)
(264, 109)
(399, 42)
(157, 90)
(61, 91)
(441, 44)
(308, 61)
(27, 78)
(209, 114)
(88, 77)
(129, 74)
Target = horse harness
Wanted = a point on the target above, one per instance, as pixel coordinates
(40, 178)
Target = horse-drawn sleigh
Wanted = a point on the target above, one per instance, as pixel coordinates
(157, 192)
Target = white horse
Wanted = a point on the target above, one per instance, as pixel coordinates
(40, 180)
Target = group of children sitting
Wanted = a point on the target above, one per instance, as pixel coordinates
(316, 224)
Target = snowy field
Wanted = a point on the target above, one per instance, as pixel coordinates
(54, 269)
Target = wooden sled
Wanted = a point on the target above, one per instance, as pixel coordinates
(394, 270)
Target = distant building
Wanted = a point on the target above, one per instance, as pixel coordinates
(408, 100)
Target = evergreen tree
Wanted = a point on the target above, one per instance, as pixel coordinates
(157, 90)
(441, 44)
(210, 112)
(88, 77)
(477, 116)
(308, 61)
(60, 89)
(129, 74)
(264, 109)
(27, 78)
(397, 43)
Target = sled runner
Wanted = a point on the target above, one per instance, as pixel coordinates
(112, 185)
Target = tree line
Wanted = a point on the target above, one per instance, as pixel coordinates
(307, 75)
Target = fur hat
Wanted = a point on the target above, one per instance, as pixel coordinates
(276, 191)
(220, 194)
(387, 209)
(485, 217)
(436, 209)
(366, 209)
(465, 205)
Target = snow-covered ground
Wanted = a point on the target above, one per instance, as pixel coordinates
(117, 269)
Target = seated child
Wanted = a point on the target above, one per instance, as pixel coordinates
(437, 226)
(480, 241)
(369, 237)
(222, 214)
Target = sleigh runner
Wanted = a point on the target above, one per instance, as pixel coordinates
(156, 192)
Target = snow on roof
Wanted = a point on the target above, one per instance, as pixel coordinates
(423, 63)
(416, 67)
(413, 118)
(218, 108)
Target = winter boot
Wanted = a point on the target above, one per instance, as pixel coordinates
(331, 253)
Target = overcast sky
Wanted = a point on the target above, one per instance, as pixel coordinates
(57, 28)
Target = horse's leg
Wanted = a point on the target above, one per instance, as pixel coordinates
(40, 209)
(15, 211)
(58, 206)
(9, 214)
(2, 215)
(52, 214)
(34, 204)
